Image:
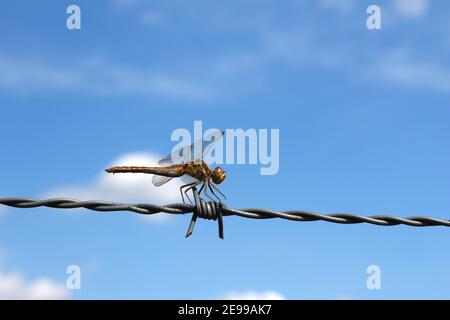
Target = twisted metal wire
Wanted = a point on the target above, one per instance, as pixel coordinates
(252, 213)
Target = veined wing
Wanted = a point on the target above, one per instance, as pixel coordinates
(162, 175)
(160, 180)
(194, 151)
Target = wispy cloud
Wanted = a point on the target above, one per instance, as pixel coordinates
(253, 295)
(399, 68)
(341, 6)
(152, 18)
(126, 3)
(93, 76)
(219, 71)
(411, 8)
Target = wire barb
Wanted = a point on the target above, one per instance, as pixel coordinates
(210, 210)
(182, 208)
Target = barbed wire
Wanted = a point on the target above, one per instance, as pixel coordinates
(208, 213)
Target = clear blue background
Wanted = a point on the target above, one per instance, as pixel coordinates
(364, 121)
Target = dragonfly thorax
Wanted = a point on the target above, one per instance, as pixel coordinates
(198, 170)
(202, 172)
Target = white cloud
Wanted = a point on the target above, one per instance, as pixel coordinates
(14, 286)
(132, 187)
(94, 76)
(411, 8)
(254, 295)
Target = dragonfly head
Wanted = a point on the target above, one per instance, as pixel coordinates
(218, 175)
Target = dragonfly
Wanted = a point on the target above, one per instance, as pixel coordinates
(188, 163)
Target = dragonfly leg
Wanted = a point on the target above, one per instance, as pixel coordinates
(191, 186)
(200, 191)
(194, 214)
(212, 185)
(206, 191)
(181, 191)
(212, 191)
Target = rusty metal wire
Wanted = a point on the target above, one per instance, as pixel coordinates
(252, 213)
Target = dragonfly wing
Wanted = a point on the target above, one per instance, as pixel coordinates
(194, 151)
(201, 148)
(208, 142)
(177, 156)
(166, 161)
(187, 179)
(160, 180)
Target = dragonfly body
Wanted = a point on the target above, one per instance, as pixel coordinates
(199, 171)
(191, 164)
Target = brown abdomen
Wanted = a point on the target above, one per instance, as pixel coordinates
(170, 171)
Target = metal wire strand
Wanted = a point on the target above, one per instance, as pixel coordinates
(181, 208)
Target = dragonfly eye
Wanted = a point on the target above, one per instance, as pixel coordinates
(218, 175)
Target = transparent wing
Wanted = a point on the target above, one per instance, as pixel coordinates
(207, 143)
(188, 179)
(166, 161)
(193, 152)
(160, 180)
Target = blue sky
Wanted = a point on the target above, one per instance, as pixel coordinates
(364, 128)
